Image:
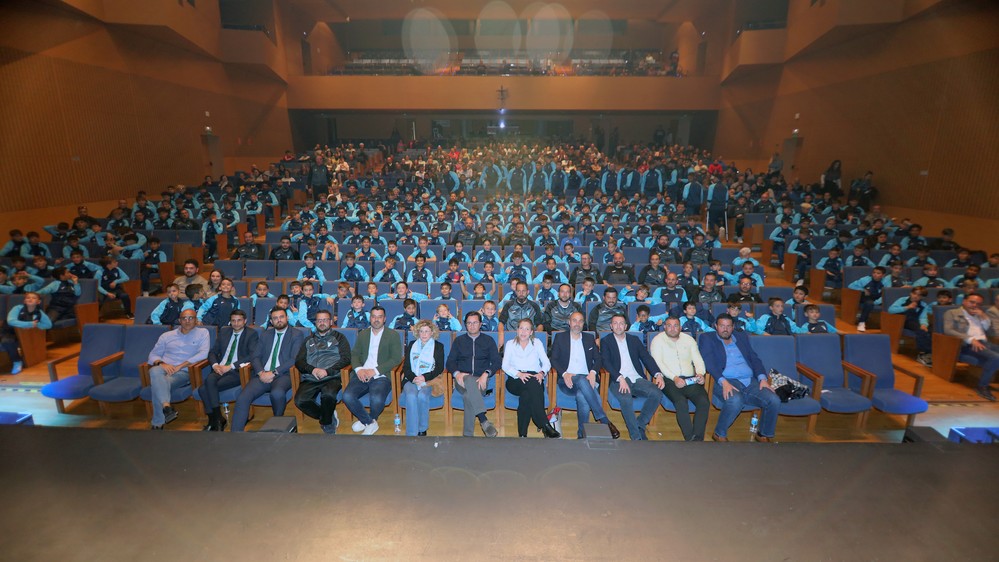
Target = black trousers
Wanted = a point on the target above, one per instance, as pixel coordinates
(679, 396)
(215, 383)
(532, 403)
(327, 389)
(56, 313)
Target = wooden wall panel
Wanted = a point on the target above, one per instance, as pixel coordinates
(104, 112)
(915, 103)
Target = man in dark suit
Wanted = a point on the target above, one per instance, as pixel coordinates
(627, 359)
(276, 353)
(741, 377)
(234, 347)
(576, 360)
(376, 353)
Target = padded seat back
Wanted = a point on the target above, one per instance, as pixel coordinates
(871, 352)
(776, 352)
(822, 353)
(139, 341)
(101, 340)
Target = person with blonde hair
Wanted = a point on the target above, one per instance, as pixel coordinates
(526, 364)
(423, 362)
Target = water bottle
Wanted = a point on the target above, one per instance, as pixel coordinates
(754, 425)
(398, 423)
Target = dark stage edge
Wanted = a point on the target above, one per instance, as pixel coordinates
(97, 495)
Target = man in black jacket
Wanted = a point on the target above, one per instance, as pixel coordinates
(474, 358)
(320, 359)
(248, 250)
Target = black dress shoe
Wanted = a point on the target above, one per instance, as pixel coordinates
(222, 424)
(613, 431)
(549, 432)
(421, 434)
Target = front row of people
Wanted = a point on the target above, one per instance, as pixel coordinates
(672, 374)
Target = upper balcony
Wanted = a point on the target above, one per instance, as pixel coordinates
(522, 93)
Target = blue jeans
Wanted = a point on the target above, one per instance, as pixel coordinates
(417, 403)
(278, 389)
(748, 395)
(378, 388)
(161, 385)
(641, 388)
(989, 360)
(587, 400)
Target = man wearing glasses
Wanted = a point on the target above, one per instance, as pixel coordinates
(174, 352)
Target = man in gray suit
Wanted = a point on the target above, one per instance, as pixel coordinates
(972, 324)
(272, 365)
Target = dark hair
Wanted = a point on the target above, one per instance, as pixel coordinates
(278, 309)
(772, 300)
(610, 290)
(377, 308)
(619, 315)
(192, 262)
(724, 316)
(474, 313)
(193, 289)
(326, 312)
(643, 308)
(237, 312)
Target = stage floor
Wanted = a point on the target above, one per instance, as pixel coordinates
(85, 494)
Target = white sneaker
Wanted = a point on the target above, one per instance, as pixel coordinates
(357, 426)
(799, 283)
(371, 428)
(861, 326)
(16, 367)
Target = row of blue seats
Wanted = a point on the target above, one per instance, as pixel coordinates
(288, 269)
(847, 380)
(851, 274)
(258, 315)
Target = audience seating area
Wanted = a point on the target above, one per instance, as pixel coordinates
(847, 373)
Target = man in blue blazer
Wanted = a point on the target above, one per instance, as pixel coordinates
(235, 346)
(576, 360)
(271, 366)
(626, 359)
(741, 377)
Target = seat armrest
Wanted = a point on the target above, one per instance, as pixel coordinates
(195, 372)
(53, 375)
(296, 379)
(920, 379)
(867, 388)
(816, 379)
(97, 367)
(245, 374)
(144, 373)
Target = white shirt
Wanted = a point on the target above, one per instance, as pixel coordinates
(278, 337)
(628, 370)
(372, 361)
(677, 358)
(519, 359)
(235, 350)
(977, 327)
(577, 356)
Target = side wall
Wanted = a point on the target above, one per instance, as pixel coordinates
(95, 111)
(915, 102)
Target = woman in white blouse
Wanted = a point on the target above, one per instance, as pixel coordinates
(526, 364)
